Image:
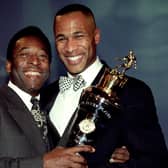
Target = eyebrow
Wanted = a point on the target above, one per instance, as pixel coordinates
(77, 32)
(26, 48)
(23, 48)
(59, 35)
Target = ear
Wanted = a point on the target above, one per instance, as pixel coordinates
(97, 36)
(8, 66)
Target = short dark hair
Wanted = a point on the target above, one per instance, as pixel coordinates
(75, 8)
(28, 31)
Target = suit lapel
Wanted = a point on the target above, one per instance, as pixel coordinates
(53, 134)
(47, 99)
(65, 137)
(24, 119)
(48, 96)
(99, 75)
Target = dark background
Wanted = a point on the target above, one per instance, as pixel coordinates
(140, 25)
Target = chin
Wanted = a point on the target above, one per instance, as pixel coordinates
(33, 91)
(34, 87)
(76, 70)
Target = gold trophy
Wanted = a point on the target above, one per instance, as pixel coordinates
(99, 103)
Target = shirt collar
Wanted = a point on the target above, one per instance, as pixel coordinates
(22, 94)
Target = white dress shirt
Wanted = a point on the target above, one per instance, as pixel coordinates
(67, 102)
(22, 94)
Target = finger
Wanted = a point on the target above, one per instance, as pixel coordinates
(71, 162)
(122, 151)
(77, 165)
(116, 161)
(124, 147)
(83, 148)
(78, 159)
(120, 157)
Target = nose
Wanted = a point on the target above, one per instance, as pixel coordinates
(70, 45)
(33, 59)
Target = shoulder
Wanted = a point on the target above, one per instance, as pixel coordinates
(7, 96)
(137, 84)
(48, 95)
(51, 88)
(5, 92)
(136, 91)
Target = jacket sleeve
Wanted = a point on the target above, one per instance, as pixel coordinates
(141, 131)
(35, 162)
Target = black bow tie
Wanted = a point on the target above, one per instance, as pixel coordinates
(66, 82)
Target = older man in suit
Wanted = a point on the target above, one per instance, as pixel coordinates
(136, 127)
(24, 137)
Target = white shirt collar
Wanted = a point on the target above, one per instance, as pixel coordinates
(22, 94)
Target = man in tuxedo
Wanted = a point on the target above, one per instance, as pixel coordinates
(136, 127)
(24, 137)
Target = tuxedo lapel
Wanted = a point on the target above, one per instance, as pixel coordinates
(64, 139)
(48, 96)
(53, 134)
(98, 77)
(24, 119)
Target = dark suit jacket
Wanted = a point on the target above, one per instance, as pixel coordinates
(136, 127)
(21, 142)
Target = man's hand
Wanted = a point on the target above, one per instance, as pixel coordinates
(120, 155)
(61, 157)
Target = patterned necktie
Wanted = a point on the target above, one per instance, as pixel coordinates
(39, 117)
(66, 82)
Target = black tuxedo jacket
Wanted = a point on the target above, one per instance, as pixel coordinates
(21, 143)
(136, 127)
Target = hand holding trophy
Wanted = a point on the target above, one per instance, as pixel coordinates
(98, 103)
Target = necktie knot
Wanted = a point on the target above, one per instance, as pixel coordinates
(66, 82)
(35, 103)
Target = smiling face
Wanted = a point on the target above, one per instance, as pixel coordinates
(76, 38)
(29, 67)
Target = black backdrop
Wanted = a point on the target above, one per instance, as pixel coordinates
(140, 25)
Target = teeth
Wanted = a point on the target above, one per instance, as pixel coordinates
(32, 73)
(74, 58)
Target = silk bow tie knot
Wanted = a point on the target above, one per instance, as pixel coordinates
(66, 82)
